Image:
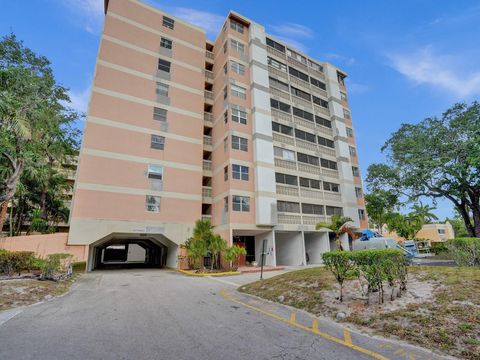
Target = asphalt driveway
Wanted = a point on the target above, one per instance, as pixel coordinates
(159, 314)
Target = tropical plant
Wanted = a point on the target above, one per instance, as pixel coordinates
(380, 204)
(216, 246)
(341, 266)
(436, 158)
(339, 225)
(196, 249)
(232, 254)
(423, 213)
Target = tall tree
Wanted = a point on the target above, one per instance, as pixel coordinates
(423, 213)
(379, 205)
(436, 158)
(32, 114)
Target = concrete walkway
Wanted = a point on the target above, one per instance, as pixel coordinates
(158, 314)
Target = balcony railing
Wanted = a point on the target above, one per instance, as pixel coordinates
(206, 194)
(321, 110)
(309, 168)
(311, 194)
(207, 165)
(292, 165)
(209, 75)
(208, 117)
(306, 145)
(280, 93)
(277, 72)
(300, 82)
(327, 151)
(330, 173)
(207, 140)
(281, 115)
(297, 63)
(283, 139)
(275, 52)
(302, 122)
(312, 219)
(208, 95)
(302, 102)
(287, 190)
(324, 130)
(209, 55)
(333, 196)
(289, 219)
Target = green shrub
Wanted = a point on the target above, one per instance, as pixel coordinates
(341, 265)
(232, 254)
(465, 251)
(439, 247)
(55, 264)
(79, 266)
(12, 262)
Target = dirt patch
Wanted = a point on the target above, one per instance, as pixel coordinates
(15, 293)
(440, 309)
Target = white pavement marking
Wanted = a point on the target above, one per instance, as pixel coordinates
(231, 283)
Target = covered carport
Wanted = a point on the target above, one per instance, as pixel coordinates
(316, 243)
(289, 248)
(119, 251)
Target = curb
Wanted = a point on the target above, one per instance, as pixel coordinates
(191, 273)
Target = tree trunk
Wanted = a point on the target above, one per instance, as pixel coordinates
(3, 214)
(10, 186)
(466, 220)
(476, 222)
(43, 205)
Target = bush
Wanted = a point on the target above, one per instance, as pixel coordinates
(375, 266)
(57, 265)
(439, 248)
(465, 251)
(79, 266)
(232, 254)
(15, 261)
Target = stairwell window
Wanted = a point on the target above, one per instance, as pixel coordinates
(240, 203)
(239, 115)
(240, 172)
(152, 203)
(157, 142)
(346, 114)
(161, 89)
(237, 46)
(164, 65)
(238, 91)
(239, 143)
(166, 43)
(358, 192)
(168, 22)
(159, 114)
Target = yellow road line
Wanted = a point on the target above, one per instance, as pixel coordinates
(347, 336)
(312, 329)
(293, 317)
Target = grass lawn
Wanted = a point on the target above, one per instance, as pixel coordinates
(15, 293)
(446, 319)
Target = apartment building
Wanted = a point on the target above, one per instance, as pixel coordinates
(245, 131)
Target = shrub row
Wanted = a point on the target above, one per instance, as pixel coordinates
(372, 267)
(465, 251)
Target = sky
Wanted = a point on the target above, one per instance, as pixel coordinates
(406, 60)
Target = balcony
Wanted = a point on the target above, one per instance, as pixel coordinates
(206, 217)
(306, 145)
(208, 118)
(289, 219)
(302, 102)
(283, 139)
(312, 219)
(209, 55)
(287, 190)
(321, 110)
(206, 195)
(311, 194)
(279, 115)
(280, 93)
(207, 142)
(330, 173)
(299, 82)
(303, 122)
(209, 97)
(324, 130)
(327, 151)
(291, 165)
(333, 196)
(207, 166)
(310, 169)
(316, 74)
(275, 52)
(277, 72)
(209, 76)
(297, 64)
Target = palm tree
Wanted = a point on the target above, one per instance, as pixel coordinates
(338, 226)
(423, 213)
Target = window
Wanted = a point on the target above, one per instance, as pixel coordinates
(361, 214)
(358, 192)
(225, 45)
(343, 96)
(297, 56)
(333, 210)
(155, 172)
(441, 231)
(157, 142)
(297, 74)
(309, 183)
(349, 132)
(225, 204)
(239, 115)
(159, 114)
(284, 153)
(300, 93)
(237, 67)
(162, 89)
(152, 203)
(303, 114)
(238, 91)
(240, 203)
(321, 102)
(235, 25)
(288, 206)
(225, 144)
(278, 84)
(307, 159)
(225, 93)
(225, 173)
(318, 83)
(329, 164)
(164, 65)
(341, 78)
(276, 64)
(240, 172)
(315, 66)
(328, 186)
(225, 68)
(346, 114)
(237, 46)
(279, 105)
(353, 151)
(355, 171)
(166, 43)
(239, 143)
(326, 142)
(323, 122)
(312, 209)
(276, 45)
(283, 129)
(285, 179)
(168, 23)
(303, 135)
(225, 117)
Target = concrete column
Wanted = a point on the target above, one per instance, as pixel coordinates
(270, 250)
(316, 244)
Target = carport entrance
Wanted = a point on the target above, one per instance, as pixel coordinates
(120, 251)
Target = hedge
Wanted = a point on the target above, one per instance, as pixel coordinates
(465, 251)
(12, 262)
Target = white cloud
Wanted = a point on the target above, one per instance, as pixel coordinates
(211, 22)
(349, 61)
(423, 67)
(88, 14)
(79, 100)
(293, 30)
